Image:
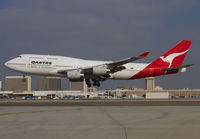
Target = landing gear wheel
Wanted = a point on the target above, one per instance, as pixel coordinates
(96, 83)
(88, 83)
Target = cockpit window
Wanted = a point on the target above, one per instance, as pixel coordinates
(19, 56)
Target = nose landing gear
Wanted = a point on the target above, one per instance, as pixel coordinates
(24, 78)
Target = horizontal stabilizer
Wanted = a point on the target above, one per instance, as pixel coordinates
(177, 68)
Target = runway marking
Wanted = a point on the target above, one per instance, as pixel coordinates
(116, 121)
(28, 112)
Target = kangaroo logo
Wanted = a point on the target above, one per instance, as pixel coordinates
(169, 59)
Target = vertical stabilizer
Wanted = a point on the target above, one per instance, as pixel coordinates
(174, 57)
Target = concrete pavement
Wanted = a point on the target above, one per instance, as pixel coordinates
(80, 122)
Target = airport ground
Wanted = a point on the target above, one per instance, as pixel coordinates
(97, 122)
(101, 102)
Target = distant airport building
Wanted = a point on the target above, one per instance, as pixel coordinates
(92, 89)
(49, 83)
(149, 83)
(78, 85)
(18, 83)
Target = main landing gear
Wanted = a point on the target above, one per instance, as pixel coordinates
(88, 83)
(95, 83)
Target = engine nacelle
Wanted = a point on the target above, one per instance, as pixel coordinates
(74, 75)
(100, 70)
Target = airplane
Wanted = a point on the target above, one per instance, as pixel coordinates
(96, 71)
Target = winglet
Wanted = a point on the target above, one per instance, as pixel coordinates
(144, 54)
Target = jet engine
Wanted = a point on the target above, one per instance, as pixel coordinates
(74, 75)
(100, 70)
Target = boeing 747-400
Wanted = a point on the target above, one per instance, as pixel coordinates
(95, 71)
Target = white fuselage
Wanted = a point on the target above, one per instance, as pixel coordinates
(50, 65)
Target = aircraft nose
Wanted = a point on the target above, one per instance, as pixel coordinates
(6, 64)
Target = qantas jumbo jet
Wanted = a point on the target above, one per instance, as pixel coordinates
(95, 71)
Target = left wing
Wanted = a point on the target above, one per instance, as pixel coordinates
(112, 67)
(100, 71)
(125, 61)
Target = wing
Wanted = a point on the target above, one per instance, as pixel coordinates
(112, 67)
(125, 61)
(101, 72)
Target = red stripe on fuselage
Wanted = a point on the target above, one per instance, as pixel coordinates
(150, 72)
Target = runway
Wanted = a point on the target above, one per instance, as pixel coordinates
(106, 102)
(83, 122)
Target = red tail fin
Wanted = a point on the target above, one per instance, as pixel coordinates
(174, 57)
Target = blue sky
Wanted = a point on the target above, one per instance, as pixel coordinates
(101, 30)
(4, 4)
